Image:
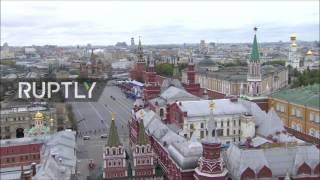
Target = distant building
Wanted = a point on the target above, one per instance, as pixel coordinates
(132, 42)
(254, 82)
(92, 68)
(293, 57)
(299, 110)
(15, 121)
(311, 61)
(203, 48)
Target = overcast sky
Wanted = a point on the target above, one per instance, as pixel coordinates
(105, 23)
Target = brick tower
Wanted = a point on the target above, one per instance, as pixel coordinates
(151, 85)
(137, 72)
(191, 86)
(114, 156)
(143, 161)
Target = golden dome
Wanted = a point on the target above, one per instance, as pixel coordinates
(309, 52)
(293, 35)
(39, 116)
(294, 45)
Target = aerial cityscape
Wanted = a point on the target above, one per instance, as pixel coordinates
(181, 90)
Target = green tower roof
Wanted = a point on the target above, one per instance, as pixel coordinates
(142, 139)
(254, 52)
(113, 138)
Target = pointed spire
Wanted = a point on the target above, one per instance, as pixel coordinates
(142, 139)
(254, 52)
(140, 52)
(113, 139)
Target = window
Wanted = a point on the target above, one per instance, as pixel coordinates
(239, 131)
(221, 123)
(142, 150)
(201, 134)
(220, 132)
(234, 122)
(234, 132)
(191, 126)
(239, 122)
(161, 112)
(185, 135)
(228, 123)
(202, 125)
(228, 132)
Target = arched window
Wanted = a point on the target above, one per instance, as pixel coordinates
(213, 133)
(161, 112)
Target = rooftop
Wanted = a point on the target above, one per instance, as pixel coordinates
(307, 95)
(239, 73)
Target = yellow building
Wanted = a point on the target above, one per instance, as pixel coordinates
(299, 109)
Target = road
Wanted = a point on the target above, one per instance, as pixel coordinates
(94, 120)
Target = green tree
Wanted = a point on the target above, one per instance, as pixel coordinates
(164, 69)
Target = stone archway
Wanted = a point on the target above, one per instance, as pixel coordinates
(19, 133)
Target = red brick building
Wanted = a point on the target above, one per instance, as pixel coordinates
(20, 152)
(191, 86)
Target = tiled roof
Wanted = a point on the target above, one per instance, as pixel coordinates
(307, 95)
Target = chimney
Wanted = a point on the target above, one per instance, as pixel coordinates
(33, 168)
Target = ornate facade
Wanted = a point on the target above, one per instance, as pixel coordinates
(114, 156)
(92, 68)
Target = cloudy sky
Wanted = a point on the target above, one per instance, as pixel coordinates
(105, 23)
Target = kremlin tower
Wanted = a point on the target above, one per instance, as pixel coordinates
(114, 157)
(137, 72)
(191, 86)
(151, 85)
(143, 158)
(254, 70)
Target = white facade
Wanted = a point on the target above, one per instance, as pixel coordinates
(293, 58)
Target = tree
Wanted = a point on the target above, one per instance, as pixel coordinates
(164, 69)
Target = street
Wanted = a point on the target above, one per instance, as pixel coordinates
(94, 120)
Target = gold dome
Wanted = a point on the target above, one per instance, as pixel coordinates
(293, 35)
(309, 52)
(39, 116)
(294, 45)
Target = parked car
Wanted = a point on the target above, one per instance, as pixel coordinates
(86, 137)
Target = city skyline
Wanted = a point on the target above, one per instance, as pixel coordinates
(178, 22)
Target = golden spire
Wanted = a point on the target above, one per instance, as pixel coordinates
(113, 116)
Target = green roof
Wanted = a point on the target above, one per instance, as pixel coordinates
(113, 139)
(254, 52)
(307, 95)
(142, 139)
